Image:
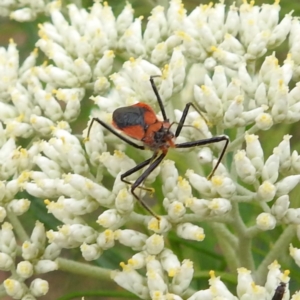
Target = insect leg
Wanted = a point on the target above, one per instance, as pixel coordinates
(139, 181)
(160, 103)
(137, 168)
(212, 140)
(183, 117)
(120, 136)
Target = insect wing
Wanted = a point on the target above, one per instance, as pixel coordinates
(134, 120)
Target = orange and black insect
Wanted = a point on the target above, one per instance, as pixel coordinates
(139, 122)
(279, 292)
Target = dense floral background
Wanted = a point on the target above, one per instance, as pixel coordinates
(70, 228)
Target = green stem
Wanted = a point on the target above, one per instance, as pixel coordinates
(228, 246)
(82, 269)
(281, 244)
(244, 249)
(18, 228)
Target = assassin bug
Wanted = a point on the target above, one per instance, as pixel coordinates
(139, 122)
(279, 292)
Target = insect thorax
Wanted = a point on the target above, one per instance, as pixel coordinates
(159, 137)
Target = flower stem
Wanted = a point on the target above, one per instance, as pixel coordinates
(82, 269)
(281, 244)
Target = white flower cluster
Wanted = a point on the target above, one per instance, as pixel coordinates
(208, 56)
(24, 10)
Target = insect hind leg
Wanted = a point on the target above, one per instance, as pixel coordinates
(154, 162)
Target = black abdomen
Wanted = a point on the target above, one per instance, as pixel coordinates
(129, 116)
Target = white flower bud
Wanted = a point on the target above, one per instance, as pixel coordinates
(266, 221)
(200, 183)
(218, 288)
(198, 206)
(82, 70)
(206, 36)
(233, 115)
(190, 231)
(264, 121)
(280, 206)
(117, 163)
(232, 21)
(106, 239)
(155, 282)
(6, 262)
(170, 262)
(124, 19)
(285, 185)
(213, 104)
(29, 250)
(104, 65)
(18, 129)
(24, 269)
(7, 111)
(200, 295)
(45, 266)
(39, 287)
(169, 175)
(216, 20)
(177, 67)
(41, 124)
(257, 46)
(131, 238)
(226, 58)
(51, 107)
(205, 155)
(166, 88)
(244, 167)
(137, 261)
(29, 62)
(184, 190)
(292, 216)
(3, 214)
(284, 152)
(90, 252)
(280, 32)
(80, 233)
(266, 191)
(19, 207)
(224, 186)
(124, 202)
(61, 77)
(110, 219)
(244, 281)
(154, 244)
(271, 168)
(295, 254)
(14, 288)
(133, 39)
(254, 151)
(176, 210)
(219, 80)
(52, 251)
(159, 54)
(132, 281)
(8, 243)
(295, 162)
(101, 86)
(159, 226)
(219, 206)
(183, 277)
